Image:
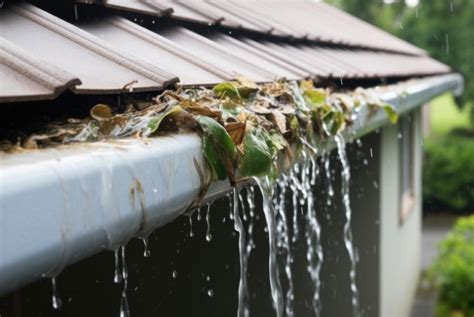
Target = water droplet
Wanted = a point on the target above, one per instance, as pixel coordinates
(174, 274)
(56, 300)
(399, 136)
(210, 293)
(146, 251)
(208, 223)
(365, 162)
(117, 276)
(191, 233)
(199, 214)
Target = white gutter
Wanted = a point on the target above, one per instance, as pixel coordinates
(61, 205)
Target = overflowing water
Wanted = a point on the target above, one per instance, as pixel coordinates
(348, 242)
(314, 254)
(124, 310)
(276, 291)
(56, 300)
(283, 241)
(191, 232)
(146, 249)
(208, 223)
(251, 204)
(243, 307)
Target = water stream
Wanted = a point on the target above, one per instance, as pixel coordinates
(124, 310)
(56, 300)
(283, 241)
(276, 291)
(208, 223)
(243, 307)
(348, 241)
(314, 254)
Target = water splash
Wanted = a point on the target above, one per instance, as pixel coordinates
(208, 223)
(124, 309)
(348, 241)
(267, 194)
(243, 309)
(56, 300)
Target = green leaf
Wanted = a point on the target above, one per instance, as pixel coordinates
(219, 150)
(226, 89)
(154, 122)
(217, 167)
(316, 97)
(257, 158)
(391, 113)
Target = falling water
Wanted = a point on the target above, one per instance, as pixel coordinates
(267, 194)
(199, 214)
(347, 226)
(283, 241)
(314, 253)
(208, 223)
(327, 170)
(231, 214)
(56, 300)
(191, 233)
(251, 203)
(146, 249)
(124, 310)
(117, 276)
(242, 310)
(294, 190)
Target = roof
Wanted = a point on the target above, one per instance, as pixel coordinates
(149, 45)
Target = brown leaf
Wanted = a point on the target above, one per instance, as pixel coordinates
(199, 109)
(280, 121)
(236, 130)
(101, 112)
(258, 109)
(107, 127)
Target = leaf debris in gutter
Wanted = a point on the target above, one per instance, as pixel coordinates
(247, 129)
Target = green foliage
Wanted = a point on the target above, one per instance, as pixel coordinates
(218, 148)
(391, 113)
(226, 89)
(453, 271)
(448, 172)
(257, 157)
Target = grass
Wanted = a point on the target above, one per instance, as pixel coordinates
(446, 116)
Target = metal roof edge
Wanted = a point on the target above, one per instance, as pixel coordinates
(61, 205)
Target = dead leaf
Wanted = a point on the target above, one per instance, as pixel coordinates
(101, 112)
(280, 121)
(236, 130)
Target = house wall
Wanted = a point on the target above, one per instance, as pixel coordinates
(400, 243)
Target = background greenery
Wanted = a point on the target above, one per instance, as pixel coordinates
(444, 28)
(453, 271)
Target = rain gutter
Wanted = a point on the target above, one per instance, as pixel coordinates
(64, 204)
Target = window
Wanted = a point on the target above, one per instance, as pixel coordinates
(406, 136)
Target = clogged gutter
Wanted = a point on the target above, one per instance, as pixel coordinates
(247, 129)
